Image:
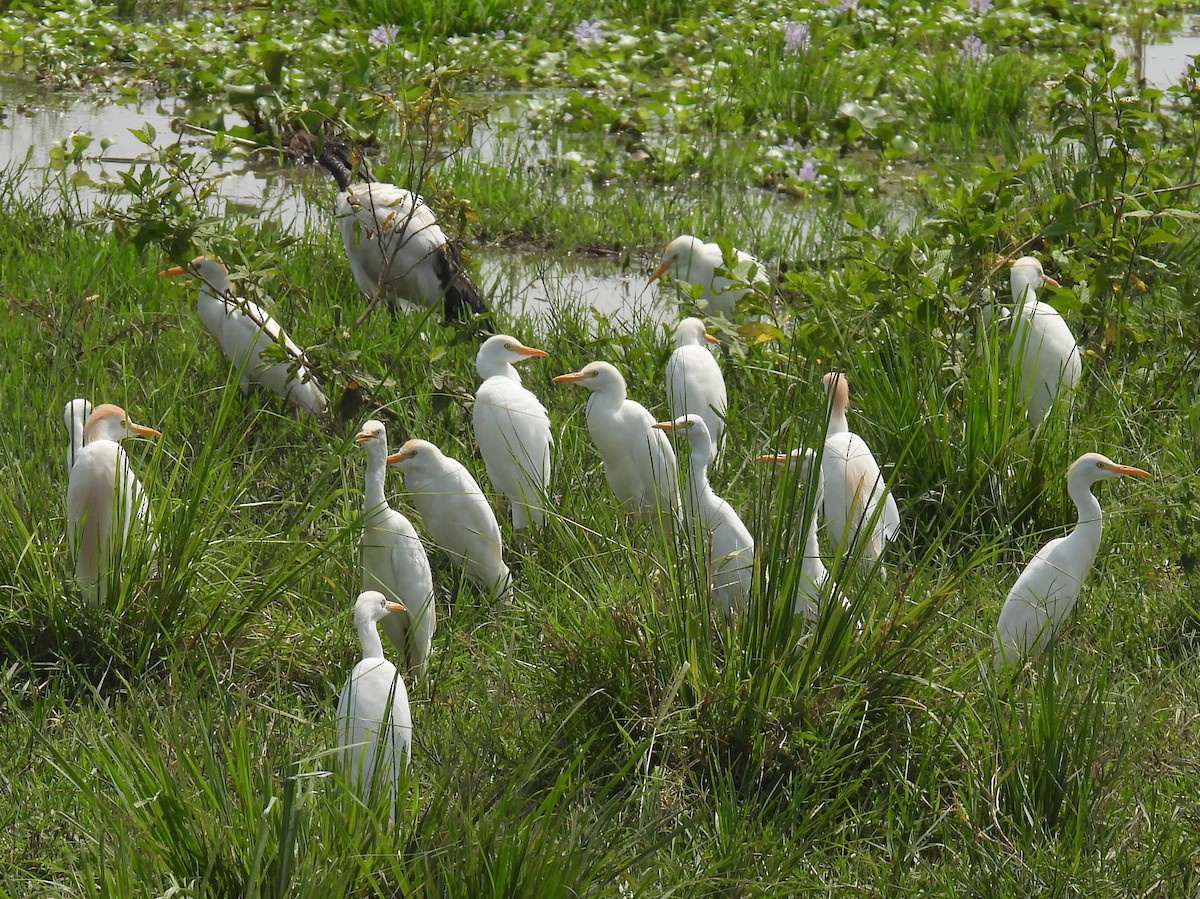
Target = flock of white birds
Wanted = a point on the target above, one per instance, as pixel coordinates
(396, 250)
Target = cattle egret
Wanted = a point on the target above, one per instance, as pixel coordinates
(694, 382)
(244, 332)
(813, 573)
(729, 548)
(105, 500)
(1048, 588)
(856, 496)
(396, 249)
(456, 513)
(1043, 349)
(703, 264)
(394, 561)
(374, 723)
(639, 463)
(512, 430)
(75, 416)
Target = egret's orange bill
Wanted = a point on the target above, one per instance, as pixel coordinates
(711, 339)
(659, 272)
(530, 351)
(175, 270)
(144, 431)
(772, 457)
(400, 456)
(1128, 471)
(1048, 280)
(395, 607)
(570, 376)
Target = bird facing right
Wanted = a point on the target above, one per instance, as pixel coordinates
(374, 723)
(1043, 351)
(694, 381)
(1048, 588)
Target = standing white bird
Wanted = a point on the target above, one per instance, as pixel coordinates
(374, 723)
(694, 382)
(691, 260)
(105, 500)
(512, 430)
(457, 514)
(729, 548)
(396, 249)
(813, 573)
(1048, 588)
(639, 463)
(856, 496)
(394, 561)
(75, 416)
(1043, 351)
(244, 331)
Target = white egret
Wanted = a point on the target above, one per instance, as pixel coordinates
(813, 573)
(393, 560)
(457, 514)
(639, 463)
(105, 500)
(512, 430)
(1043, 351)
(75, 416)
(395, 247)
(729, 548)
(691, 260)
(244, 331)
(1048, 588)
(694, 382)
(374, 723)
(856, 496)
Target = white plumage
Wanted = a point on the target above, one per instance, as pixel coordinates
(694, 382)
(75, 416)
(105, 500)
(244, 331)
(1048, 588)
(512, 430)
(729, 548)
(374, 723)
(457, 514)
(856, 496)
(394, 560)
(1043, 351)
(639, 463)
(691, 260)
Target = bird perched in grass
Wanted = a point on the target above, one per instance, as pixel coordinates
(512, 430)
(729, 548)
(374, 722)
(456, 513)
(105, 500)
(246, 334)
(1043, 351)
(721, 282)
(694, 382)
(639, 463)
(394, 560)
(396, 249)
(1048, 588)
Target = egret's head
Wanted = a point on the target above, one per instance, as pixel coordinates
(372, 436)
(1026, 278)
(837, 389)
(677, 257)
(372, 606)
(1092, 467)
(414, 452)
(109, 422)
(598, 377)
(690, 332)
(500, 350)
(209, 269)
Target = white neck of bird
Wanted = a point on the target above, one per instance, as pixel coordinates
(368, 636)
(374, 499)
(1090, 515)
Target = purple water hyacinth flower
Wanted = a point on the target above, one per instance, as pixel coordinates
(847, 6)
(383, 35)
(972, 49)
(588, 33)
(808, 171)
(979, 6)
(796, 37)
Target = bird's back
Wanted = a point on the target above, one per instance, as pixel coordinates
(374, 722)
(695, 385)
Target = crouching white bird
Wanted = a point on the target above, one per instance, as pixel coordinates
(1048, 588)
(396, 249)
(512, 430)
(639, 463)
(105, 500)
(813, 573)
(1043, 351)
(729, 548)
(694, 382)
(859, 509)
(394, 561)
(456, 513)
(75, 416)
(244, 331)
(722, 281)
(374, 723)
